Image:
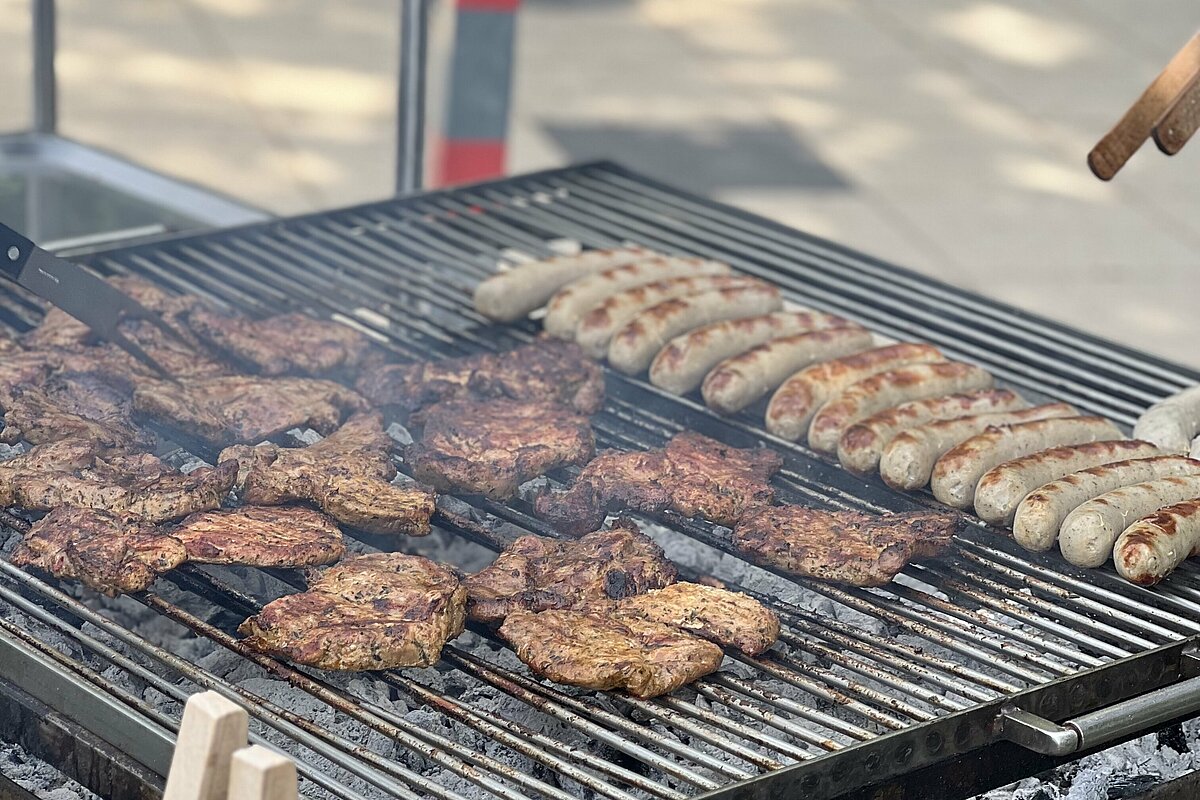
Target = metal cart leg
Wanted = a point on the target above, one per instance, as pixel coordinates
(410, 113)
(45, 89)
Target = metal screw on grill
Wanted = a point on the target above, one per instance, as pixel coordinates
(14, 253)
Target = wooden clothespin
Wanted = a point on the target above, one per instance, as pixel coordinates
(261, 774)
(213, 728)
(1153, 112)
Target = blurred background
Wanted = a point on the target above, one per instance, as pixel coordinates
(949, 137)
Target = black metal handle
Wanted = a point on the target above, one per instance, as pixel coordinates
(15, 250)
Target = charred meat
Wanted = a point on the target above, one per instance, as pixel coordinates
(371, 612)
(20, 369)
(598, 650)
(842, 546)
(31, 415)
(491, 447)
(220, 411)
(730, 619)
(548, 370)
(694, 476)
(60, 329)
(99, 549)
(185, 358)
(347, 475)
(263, 537)
(78, 472)
(536, 574)
(283, 344)
(92, 405)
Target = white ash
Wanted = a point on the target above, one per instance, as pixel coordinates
(36, 776)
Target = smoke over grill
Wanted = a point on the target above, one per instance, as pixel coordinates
(929, 658)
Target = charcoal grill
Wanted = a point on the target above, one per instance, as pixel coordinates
(893, 692)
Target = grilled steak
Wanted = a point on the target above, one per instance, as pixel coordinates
(264, 537)
(371, 612)
(491, 447)
(99, 549)
(730, 619)
(694, 476)
(287, 343)
(843, 546)
(597, 650)
(182, 359)
(60, 329)
(19, 369)
(547, 370)
(90, 405)
(347, 475)
(536, 574)
(220, 411)
(78, 472)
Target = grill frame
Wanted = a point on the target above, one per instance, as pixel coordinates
(513, 201)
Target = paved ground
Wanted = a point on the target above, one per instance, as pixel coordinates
(943, 135)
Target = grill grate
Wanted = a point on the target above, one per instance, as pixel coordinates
(946, 639)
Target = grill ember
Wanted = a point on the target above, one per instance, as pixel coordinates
(987, 620)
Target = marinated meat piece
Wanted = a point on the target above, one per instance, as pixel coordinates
(99, 549)
(695, 476)
(78, 472)
(60, 329)
(596, 650)
(220, 411)
(181, 359)
(92, 395)
(377, 611)
(30, 415)
(730, 619)
(535, 574)
(287, 343)
(842, 546)
(491, 447)
(546, 370)
(263, 537)
(20, 368)
(347, 475)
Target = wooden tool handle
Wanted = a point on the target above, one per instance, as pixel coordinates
(1174, 130)
(1119, 144)
(261, 774)
(212, 729)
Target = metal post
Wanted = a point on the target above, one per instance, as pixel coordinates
(45, 91)
(410, 115)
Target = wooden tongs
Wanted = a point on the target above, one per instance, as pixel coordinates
(1168, 111)
(212, 761)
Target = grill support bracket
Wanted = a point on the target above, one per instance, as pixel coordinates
(1104, 725)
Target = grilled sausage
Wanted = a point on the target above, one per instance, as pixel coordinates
(597, 326)
(862, 444)
(634, 346)
(739, 381)
(513, 294)
(957, 473)
(1087, 534)
(1172, 422)
(795, 402)
(682, 364)
(1151, 548)
(887, 390)
(571, 302)
(908, 459)
(1002, 488)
